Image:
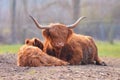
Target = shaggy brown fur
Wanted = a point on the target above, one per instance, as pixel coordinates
(29, 55)
(61, 42)
(34, 42)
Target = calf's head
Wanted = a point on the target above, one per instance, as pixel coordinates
(34, 42)
(58, 34)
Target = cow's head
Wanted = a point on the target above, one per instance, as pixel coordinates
(58, 34)
(34, 42)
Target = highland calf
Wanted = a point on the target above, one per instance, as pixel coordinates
(31, 54)
(63, 43)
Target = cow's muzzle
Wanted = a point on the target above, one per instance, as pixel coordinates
(59, 45)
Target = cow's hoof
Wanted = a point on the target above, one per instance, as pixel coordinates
(102, 64)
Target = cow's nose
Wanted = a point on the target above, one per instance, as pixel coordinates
(60, 44)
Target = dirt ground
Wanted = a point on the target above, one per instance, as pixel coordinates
(9, 71)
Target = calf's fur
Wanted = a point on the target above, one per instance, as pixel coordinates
(30, 55)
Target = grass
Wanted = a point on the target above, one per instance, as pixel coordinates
(9, 48)
(104, 49)
(31, 72)
(109, 50)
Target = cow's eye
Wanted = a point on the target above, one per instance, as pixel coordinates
(52, 36)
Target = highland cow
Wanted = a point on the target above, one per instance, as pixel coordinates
(63, 43)
(31, 54)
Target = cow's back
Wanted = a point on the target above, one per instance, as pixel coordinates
(83, 49)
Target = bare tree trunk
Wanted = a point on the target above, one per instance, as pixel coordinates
(76, 11)
(13, 16)
(25, 6)
(111, 34)
(25, 10)
(0, 9)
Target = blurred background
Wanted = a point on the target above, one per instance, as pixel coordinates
(102, 22)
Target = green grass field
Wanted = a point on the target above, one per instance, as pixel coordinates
(104, 49)
(108, 50)
(9, 48)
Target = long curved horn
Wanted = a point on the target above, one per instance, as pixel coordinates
(37, 24)
(76, 23)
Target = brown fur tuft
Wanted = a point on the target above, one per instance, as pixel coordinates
(30, 55)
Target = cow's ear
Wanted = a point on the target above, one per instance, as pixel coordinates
(70, 32)
(46, 33)
(26, 41)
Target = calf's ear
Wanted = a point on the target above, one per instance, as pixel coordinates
(26, 41)
(38, 43)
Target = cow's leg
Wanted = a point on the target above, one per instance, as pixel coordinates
(76, 60)
(99, 61)
(95, 53)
